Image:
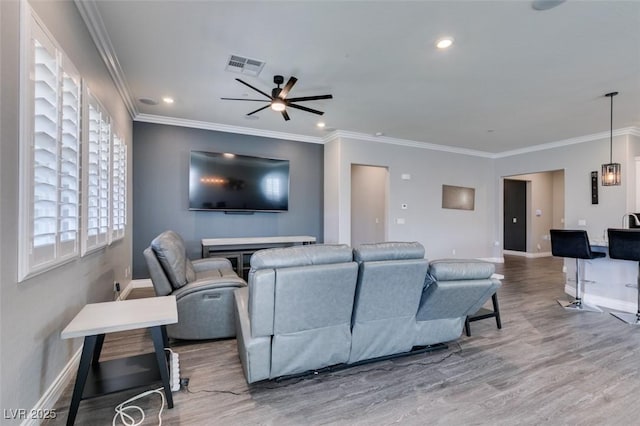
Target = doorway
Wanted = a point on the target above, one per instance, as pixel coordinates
(515, 215)
(533, 204)
(368, 204)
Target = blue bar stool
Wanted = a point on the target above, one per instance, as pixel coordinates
(624, 244)
(574, 244)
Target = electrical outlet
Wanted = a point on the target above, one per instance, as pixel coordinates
(116, 286)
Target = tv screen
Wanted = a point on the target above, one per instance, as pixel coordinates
(231, 182)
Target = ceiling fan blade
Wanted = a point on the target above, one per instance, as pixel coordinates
(313, 111)
(257, 90)
(258, 110)
(285, 116)
(287, 87)
(245, 99)
(310, 98)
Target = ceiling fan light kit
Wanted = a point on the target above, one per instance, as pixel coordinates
(278, 100)
(611, 171)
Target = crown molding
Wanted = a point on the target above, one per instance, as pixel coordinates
(405, 142)
(337, 134)
(572, 141)
(194, 124)
(92, 19)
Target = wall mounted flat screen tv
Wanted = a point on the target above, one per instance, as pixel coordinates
(230, 182)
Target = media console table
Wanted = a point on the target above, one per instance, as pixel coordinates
(96, 378)
(239, 250)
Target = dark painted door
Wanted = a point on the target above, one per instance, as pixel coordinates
(515, 215)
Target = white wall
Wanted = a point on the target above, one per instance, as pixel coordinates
(469, 233)
(578, 161)
(34, 312)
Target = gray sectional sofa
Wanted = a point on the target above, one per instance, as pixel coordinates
(310, 307)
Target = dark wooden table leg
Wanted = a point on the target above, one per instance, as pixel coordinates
(98, 349)
(496, 309)
(88, 353)
(159, 336)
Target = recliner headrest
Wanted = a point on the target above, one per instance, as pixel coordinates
(388, 251)
(301, 256)
(460, 269)
(169, 249)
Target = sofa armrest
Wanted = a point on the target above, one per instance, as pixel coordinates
(254, 352)
(209, 263)
(209, 284)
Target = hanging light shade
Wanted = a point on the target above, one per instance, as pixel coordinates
(611, 170)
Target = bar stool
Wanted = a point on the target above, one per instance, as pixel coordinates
(624, 244)
(574, 244)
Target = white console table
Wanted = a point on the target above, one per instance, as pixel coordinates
(239, 250)
(96, 378)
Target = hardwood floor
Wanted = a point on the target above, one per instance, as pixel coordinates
(546, 366)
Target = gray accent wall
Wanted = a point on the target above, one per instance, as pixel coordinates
(161, 188)
(35, 311)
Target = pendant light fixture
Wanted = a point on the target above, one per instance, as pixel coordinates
(611, 171)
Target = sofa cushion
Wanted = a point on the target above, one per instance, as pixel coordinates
(287, 257)
(170, 251)
(460, 269)
(388, 251)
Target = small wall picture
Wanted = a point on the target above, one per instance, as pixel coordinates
(458, 197)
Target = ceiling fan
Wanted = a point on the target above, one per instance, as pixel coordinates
(278, 100)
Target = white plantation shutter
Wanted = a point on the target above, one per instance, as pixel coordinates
(50, 156)
(118, 188)
(96, 176)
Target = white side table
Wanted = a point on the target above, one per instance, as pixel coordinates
(96, 378)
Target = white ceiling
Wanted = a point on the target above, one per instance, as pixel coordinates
(515, 77)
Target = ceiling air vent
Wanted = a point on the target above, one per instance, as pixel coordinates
(244, 65)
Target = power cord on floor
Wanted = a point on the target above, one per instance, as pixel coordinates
(127, 419)
(122, 408)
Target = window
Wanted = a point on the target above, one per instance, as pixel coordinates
(96, 176)
(119, 188)
(73, 185)
(50, 147)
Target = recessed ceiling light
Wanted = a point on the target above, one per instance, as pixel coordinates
(228, 155)
(379, 134)
(321, 124)
(148, 101)
(444, 43)
(167, 100)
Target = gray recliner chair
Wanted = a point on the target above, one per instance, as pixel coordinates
(458, 288)
(295, 314)
(203, 289)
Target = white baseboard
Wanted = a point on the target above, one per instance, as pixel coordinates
(527, 254)
(492, 259)
(145, 283)
(48, 400)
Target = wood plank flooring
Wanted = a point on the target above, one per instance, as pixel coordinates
(546, 366)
